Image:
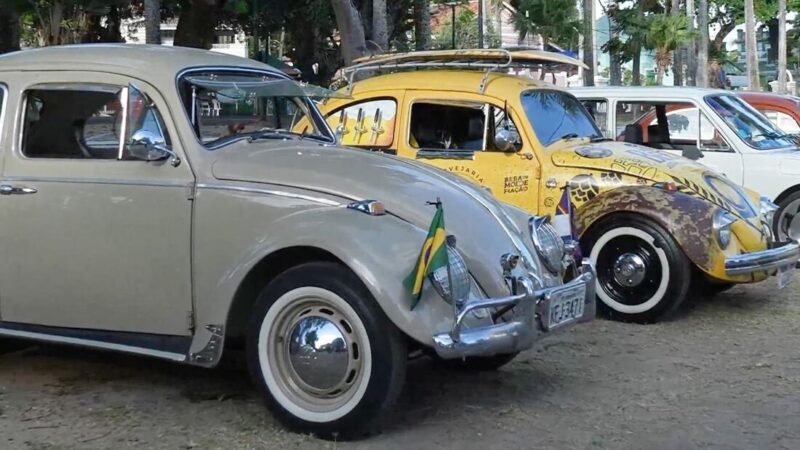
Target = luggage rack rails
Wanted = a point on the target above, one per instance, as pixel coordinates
(488, 60)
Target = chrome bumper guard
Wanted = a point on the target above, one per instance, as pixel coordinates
(527, 322)
(785, 254)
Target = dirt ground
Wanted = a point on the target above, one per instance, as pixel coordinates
(725, 374)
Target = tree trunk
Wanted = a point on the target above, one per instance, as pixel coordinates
(422, 24)
(588, 42)
(677, 60)
(380, 30)
(196, 24)
(351, 30)
(615, 66)
(717, 44)
(636, 63)
(753, 82)
(152, 21)
(9, 29)
(781, 46)
(661, 69)
(772, 39)
(691, 53)
(702, 48)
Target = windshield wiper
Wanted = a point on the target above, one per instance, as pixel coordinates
(597, 138)
(272, 134)
(569, 136)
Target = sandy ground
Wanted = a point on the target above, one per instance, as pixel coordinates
(725, 374)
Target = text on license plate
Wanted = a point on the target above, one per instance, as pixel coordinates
(566, 306)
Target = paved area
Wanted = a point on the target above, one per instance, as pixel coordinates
(725, 374)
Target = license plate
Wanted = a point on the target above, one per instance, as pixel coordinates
(785, 274)
(566, 306)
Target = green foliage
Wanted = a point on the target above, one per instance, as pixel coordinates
(466, 32)
(556, 21)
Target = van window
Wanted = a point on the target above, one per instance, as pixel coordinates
(456, 127)
(366, 124)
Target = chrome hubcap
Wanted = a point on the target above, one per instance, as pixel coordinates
(629, 270)
(318, 353)
(789, 221)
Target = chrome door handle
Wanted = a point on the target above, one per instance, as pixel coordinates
(7, 189)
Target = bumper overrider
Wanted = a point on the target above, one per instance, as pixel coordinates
(518, 329)
(780, 255)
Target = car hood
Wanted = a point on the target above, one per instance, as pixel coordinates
(483, 227)
(656, 167)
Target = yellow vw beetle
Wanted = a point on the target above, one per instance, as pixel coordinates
(654, 224)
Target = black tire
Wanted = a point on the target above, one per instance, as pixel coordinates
(663, 283)
(377, 382)
(479, 363)
(786, 215)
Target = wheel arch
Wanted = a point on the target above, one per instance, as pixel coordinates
(786, 193)
(260, 275)
(687, 219)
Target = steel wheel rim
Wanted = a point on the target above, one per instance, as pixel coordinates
(291, 386)
(605, 254)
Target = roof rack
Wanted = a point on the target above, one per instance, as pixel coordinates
(487, 60)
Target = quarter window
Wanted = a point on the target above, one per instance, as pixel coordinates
(367, 124)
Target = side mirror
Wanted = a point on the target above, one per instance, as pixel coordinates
(147, 146)
(506, 140)
(692, 153)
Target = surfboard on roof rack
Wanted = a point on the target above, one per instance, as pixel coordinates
(478, 59)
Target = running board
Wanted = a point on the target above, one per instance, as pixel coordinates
(173, 348)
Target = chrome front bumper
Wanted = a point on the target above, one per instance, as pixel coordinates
(527, 321)
(787, 253)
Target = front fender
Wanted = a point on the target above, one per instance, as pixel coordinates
(235, 231)
(687, 218)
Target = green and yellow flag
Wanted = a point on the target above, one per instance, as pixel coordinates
(432, 256)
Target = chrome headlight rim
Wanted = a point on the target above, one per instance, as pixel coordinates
(722, 227)
(552, 258)
(767, 210)
(452, 282)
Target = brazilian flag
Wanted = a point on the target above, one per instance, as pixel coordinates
(432, 256)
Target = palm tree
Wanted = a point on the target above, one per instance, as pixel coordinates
(152, 21)
(588, 42)
(750, 46)
(554, 21)
(701, 78)
(781, 45)
(665, 34)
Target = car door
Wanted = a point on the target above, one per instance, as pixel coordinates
(93, 238)
(691, 133)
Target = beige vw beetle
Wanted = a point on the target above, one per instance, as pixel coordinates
(153, 200)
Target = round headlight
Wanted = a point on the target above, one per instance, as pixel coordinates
(722, 227)
(455, 282)
(548, 243)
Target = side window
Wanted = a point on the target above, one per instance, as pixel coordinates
(437, 126)
(599, 112)
(82, 121)
(667, 126)
(465, 126)
(366, 124)
(783, 121)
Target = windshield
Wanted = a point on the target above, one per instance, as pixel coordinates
(749, 124)
(226, 107)
(557, 115)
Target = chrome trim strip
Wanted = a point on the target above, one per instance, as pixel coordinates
(177, 357)
(446, 154)
(123, 131)
(98, 181)
(787, 254)
(3, 107)
(323, 201)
